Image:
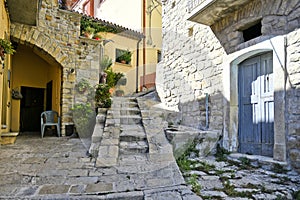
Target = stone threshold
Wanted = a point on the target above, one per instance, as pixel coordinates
(10, 134)
(8, 138)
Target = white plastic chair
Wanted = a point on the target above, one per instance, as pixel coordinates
(50, 118)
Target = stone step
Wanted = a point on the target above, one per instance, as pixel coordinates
(130, 136)
(130, 127)
(133, 159)
(130, 119)
(130, 111)
(124, 111)
(128, 104)
(133, 147)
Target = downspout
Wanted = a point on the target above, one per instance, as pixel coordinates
(144, 42)
(137, 66)
(286, 156)
(92, 8)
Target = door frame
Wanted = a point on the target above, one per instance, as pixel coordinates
(275, 45)
(254, 132)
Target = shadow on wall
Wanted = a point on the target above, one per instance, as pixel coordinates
(204, 113)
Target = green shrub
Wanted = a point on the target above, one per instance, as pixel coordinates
(105, 62)
(7, 46)
(87, 22)
(112, 77)
(83, 117)
(102, 96)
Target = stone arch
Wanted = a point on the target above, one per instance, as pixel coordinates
(31, 36)
(52, 51)
(276, 46)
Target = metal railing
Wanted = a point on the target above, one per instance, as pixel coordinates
(192, 4)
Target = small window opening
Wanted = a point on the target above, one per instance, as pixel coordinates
(252, 32)
(158, 56)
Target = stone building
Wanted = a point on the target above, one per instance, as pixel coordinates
(51, 58)
(243, 59)
(140, 15)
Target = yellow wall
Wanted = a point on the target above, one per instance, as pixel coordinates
(153, 34)
(153, 40)
(4, 91)
(30, 70)
(129, 70)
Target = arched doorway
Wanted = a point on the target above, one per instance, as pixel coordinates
(232, 113)
(38, 76)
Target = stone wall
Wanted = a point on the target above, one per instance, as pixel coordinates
(293, 97)
(57, 36)
(277, 18)
(192, 58)
(195, 63)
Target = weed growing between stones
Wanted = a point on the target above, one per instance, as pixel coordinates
(205, 167)
(186, 165)
(193, 181)
(245, 163)
(221, 154)
(229, 189)
(296, 195)
(183, 162)
(277, 168)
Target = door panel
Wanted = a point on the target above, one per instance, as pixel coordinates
(32, 105)
(256, 106)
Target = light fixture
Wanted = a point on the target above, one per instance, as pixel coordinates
(70, 71)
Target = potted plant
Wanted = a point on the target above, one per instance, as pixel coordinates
(98, 36)
(82, 86)
(89, 32)
(124, 57)
(6, 47)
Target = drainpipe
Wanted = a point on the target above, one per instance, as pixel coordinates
(144, 42)
(137, 66)
(206, 111)
(286, 81)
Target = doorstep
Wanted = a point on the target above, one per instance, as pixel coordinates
(8, 138)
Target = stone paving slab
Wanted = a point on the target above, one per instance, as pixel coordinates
(59, 168)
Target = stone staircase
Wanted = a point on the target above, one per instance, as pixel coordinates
(123, 139)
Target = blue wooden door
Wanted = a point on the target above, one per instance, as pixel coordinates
(256, 106)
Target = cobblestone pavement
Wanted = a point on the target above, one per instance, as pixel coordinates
(60, 168)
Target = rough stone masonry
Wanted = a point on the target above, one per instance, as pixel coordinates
(200, 59)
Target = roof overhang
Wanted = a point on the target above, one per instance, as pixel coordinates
(210, 11)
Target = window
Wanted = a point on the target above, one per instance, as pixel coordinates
(123, 56)
(252, 32)
(158, 56)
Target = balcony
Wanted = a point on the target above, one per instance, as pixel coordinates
(209, 11)
(24, 12)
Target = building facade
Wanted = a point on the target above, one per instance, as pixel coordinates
(5, 68)
(139, 15)
(51, 58)
(243, 57)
